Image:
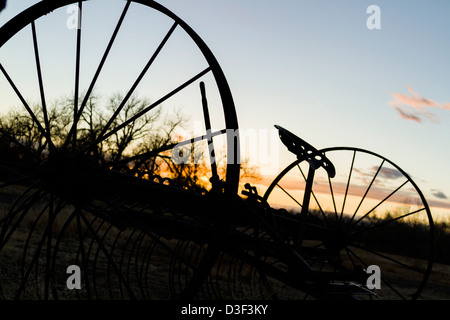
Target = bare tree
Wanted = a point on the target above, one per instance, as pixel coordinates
(141, 148)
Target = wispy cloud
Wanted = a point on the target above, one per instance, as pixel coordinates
(386, 173)
(439, 194)
(415, 107)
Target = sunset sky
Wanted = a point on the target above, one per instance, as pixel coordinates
(315, 68)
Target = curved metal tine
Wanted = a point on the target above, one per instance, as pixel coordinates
(108, 277)
(196, 251)
(79, 112)
(8, 168)
(209, 282)
(134, 262)
(182, 282)
(382, 279)
(4, 236)
(86, 255)
(122, 259)
(347, 187)
(105, 234)
(30, 233)
(172, 288)
(236, 277)
(103, 137)
(139, 262)
(30, 267)
(217, 280)
(314, 196)
(170, 250)
(34, 260)
(41, 86)
(8, 219)
(94, 262)
(81, 249)
(64, 227)
(22, 99)
(17, 181)
(174, 276)
(136, 83)
(193, 255)
(108, 256)
(108, 272)
(145, 267)
(381, 202)
(144, 270)
(241, 267)
(51, 219)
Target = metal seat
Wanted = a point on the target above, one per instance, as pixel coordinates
(305, 151)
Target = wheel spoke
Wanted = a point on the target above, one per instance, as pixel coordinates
(380, 203)
(368, 189)
(138, 80)
(290, 196)
(77, 72)
(41, 85)
(149, 108)
(348, 185)
(389, 221)
(167, 147)
(389, 259)
(348, 253)
(55, 124)
(97, 74)
(22, 99)
(384, 281)
(333, 199)
(377, 240)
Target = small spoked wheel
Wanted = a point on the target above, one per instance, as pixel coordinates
(97, 99)
(370, 214)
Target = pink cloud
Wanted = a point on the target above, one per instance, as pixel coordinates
(413, 107)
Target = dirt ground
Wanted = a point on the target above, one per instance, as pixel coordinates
(438, 286)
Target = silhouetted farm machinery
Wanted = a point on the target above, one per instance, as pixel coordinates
(137, 234)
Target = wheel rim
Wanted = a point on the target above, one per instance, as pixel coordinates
(36, 186)
(372, 213)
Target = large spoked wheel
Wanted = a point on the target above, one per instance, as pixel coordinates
(371, 213)
(100, 98)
